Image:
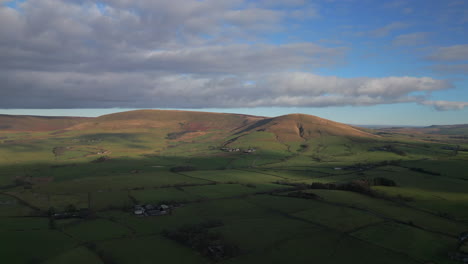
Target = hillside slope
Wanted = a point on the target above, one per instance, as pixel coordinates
(287, 128)
(171, 119)
(301, 127)
(38, 123)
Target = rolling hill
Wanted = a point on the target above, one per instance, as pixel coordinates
(287, 128)
(460, 129)
(301, 127)
(37, 123)
(310, 189)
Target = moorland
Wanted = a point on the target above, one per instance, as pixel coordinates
(154, 186)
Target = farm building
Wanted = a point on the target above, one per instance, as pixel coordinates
(462, 237)
(151, 210)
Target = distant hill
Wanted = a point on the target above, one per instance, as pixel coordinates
(287, 128)
(173, 119)
(37, 123)
(300, 127)
(461, 129)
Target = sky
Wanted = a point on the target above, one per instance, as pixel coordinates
(352, 61)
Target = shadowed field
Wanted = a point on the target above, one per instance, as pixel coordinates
(248, 189)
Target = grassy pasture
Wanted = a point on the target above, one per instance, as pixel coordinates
(392, 210)
(33, 246)
(95, 230)
(163, 194)
(241, 176)
(338, 218)
(322, 247)
(418, 244)
(9, 206)
(146, 250)
(341, 227)
(77, 255)
(218, 190)
(23, 223)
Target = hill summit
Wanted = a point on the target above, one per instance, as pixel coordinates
(292, 127)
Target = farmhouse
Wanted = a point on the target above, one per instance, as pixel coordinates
(155, 212)
(149, 207)
(250, 150)
(138, 210)
(463, 237)
(230, 149)
(151, 210)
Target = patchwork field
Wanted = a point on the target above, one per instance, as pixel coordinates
(241, 189)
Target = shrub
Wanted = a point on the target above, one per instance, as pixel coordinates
(381, 181)
(305, 195)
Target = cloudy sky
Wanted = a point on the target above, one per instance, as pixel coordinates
(354, 61)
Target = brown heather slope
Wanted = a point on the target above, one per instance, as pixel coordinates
(287, 128)
(170, 119)
(300, 127)
(37, 123)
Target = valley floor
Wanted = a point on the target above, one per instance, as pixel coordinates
(70, 199)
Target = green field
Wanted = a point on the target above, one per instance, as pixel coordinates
(264, 203)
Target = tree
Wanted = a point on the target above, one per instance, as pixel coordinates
(51, 211)
(70, 208)
(52, 224)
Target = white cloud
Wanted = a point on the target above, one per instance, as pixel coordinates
(450, 53)
(158, 53)
(446, 105)
(411, 39)
(139, 89)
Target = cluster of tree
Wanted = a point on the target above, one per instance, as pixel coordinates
(359, 186)
(363, 187)
(421, 170)
(176, 135)
(381, 181)
(199, 237)
(368, 166)
(101, 159)
(305, 195)
(293, 184)
(22, 182)
(59, 151)
(303, 147)
(70, 212)
(389, 148)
